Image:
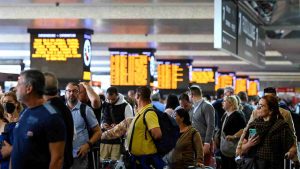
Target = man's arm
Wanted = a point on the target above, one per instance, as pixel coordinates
(92, 95)
(117, 131)
(209, 114)
(156, 133)
(84, 149)
(57, 154)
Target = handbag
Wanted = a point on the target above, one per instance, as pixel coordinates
(228, 147)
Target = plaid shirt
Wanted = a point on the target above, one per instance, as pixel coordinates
(275, 143)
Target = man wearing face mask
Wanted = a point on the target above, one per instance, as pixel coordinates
(115, 110)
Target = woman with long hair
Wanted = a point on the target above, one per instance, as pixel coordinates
(11, 111)
(268, 137)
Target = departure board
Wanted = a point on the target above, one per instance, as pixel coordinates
(241, 84)
(173, 74)
(130, 67)
(65, 52)
(253, 87)
(224, 79)
(205, 77)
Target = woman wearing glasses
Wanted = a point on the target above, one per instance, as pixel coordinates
(268, 137)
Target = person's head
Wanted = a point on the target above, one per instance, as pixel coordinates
(182, 117)
(51, 84)
(270, 91)
(155, 97)
(10, 103)
(195, 92)
(230, 104)
(112, 95)
(172, 102)
(143, 94)
(31, 83)
(82, 96)
(220, 93)
(268, 108)
(228, 91)
(184, 100)
(72, 92)
(243, 96)
(131, 94)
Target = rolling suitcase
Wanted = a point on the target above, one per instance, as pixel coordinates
(288, 164)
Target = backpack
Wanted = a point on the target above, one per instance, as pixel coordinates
(169, 130)
(83, 115)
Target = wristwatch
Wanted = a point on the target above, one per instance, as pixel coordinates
(90, 144)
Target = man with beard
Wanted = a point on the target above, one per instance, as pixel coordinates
(82, 142)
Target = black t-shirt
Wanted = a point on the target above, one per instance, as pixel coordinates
(64, 111)
(219, 112)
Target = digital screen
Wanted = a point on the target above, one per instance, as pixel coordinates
(224, 79)
(241, 84)
(173, 74)
(130, 67)
(251, 41)
(205, 77)
(253, 87)
(225, 25)
(66, 53)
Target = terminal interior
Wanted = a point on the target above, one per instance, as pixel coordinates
(176, 29)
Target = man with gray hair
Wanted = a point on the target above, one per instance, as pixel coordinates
(203, 119)
(40, 132)
(228, 91)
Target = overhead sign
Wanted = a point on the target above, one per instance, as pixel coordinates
(251, 40)
(130, 67)
(241, 84)
(253, 87)
(224, 79)
(225, 26)
(65, 52)
(205, 77)
(173, 74)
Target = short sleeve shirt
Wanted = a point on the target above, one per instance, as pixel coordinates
(81, 132)
(141, 145)
(36, 128)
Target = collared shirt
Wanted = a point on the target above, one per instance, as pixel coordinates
(140, 145)
(81, 133)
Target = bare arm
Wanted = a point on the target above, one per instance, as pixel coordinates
(57, 154)
(92, 95)
(83, 150)
(156, 133)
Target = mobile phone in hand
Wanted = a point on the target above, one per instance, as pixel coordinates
(252, 132)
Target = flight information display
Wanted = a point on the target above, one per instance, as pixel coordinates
(65, 52)
(205, 77)
(253, 87)
(241, 84)
(224, 79)
(130, 67)
(173, 74)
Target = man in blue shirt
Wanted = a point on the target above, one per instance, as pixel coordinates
(40, 133)
(82, 143)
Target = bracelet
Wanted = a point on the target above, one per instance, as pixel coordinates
(90, 144)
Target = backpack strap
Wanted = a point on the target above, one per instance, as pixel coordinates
(83, 114)
(131, 138)
(145, 122)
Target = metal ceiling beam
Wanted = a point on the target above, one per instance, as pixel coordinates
(108, 11)
(107, 38)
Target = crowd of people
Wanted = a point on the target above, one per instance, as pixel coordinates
(41, 129)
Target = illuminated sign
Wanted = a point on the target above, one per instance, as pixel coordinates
(65, 52)
(241, 84)
(205, 77)
(173, 74)
(253, 87)
(130, 67)
(224, 79)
